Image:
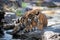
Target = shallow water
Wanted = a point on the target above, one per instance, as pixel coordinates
(55, 28)
(6, 36)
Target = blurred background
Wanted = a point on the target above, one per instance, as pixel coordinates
(20, 6)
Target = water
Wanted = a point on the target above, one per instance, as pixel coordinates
(6, 36)
(55, 28)
(56, 0)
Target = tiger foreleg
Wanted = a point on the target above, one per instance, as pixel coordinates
(28, 29)
(25, 30)
(40, 27)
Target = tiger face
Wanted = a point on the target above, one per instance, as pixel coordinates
(41, 19)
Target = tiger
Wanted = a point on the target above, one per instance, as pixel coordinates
(29, 21)
(21, 22)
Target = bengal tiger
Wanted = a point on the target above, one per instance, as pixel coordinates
(29, 21)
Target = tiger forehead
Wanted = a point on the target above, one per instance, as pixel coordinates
(33, 12)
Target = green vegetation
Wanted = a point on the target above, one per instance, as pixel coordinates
(18, 13)
(24, 4)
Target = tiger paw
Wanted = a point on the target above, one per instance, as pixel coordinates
(26, 31)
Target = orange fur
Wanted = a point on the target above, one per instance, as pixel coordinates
(41, 17)
(40, 24)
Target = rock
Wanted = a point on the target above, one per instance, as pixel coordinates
(9, 16)
(1, 32)
(50, 35)
(1, 22)
(8, 26)
(29, 36)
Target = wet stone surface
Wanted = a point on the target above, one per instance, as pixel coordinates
(28, 36)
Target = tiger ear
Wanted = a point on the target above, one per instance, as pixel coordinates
(37, 12)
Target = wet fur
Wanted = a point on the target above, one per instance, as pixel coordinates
(42, 21)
